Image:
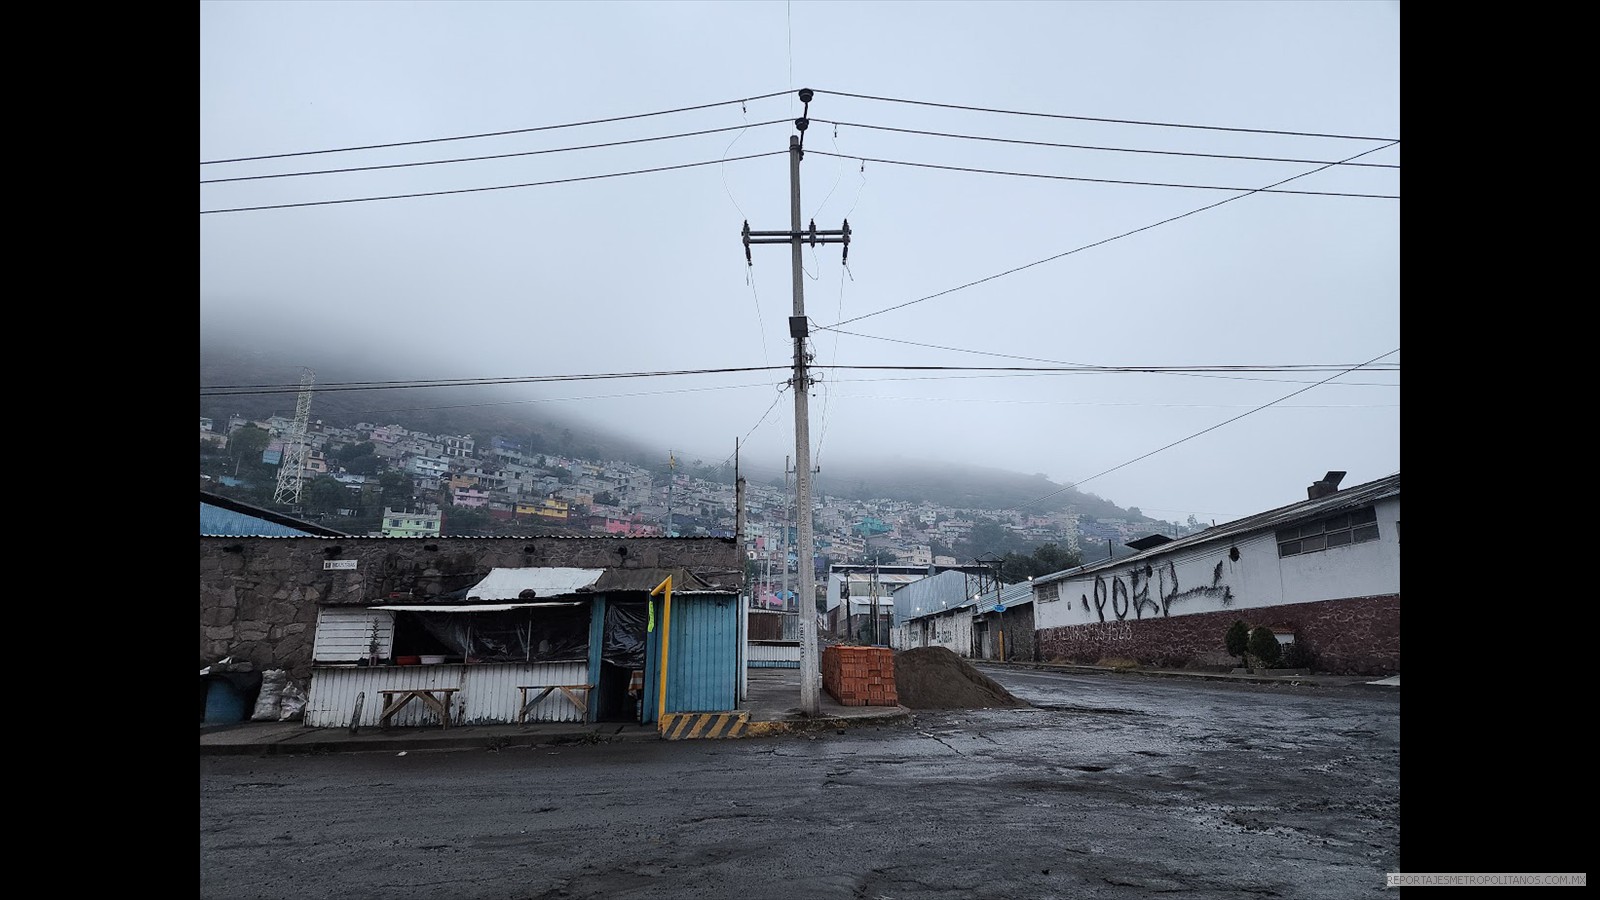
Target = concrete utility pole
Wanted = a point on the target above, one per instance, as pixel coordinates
(810, 665)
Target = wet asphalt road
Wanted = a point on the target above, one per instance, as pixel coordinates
(1113, 786)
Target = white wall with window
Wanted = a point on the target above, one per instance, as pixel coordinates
(1355, 553)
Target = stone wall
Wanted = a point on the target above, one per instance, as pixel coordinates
(1352, 636)
(259, 596)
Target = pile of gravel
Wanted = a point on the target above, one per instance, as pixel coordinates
(936, 678)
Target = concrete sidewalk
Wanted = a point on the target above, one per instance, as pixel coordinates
(772, 707)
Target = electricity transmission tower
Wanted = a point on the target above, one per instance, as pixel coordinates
(292, 470)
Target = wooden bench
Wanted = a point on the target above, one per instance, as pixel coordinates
(576, 694)
(393, 701)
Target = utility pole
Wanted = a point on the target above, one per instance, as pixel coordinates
(810, 665)
(998, 563)
(672, 471)
(738, 517)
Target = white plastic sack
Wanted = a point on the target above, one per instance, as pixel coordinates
(269, 703)
(294, 703)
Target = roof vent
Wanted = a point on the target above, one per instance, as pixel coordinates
(1328, 485)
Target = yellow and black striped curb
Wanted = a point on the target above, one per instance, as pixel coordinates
(688, 726)
(734, 724)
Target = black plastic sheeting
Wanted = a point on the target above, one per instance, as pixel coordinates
(624, 635)
(533, 634)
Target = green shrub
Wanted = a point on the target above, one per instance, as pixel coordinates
(1237, 640)
(1264, 646)
(1296, 656)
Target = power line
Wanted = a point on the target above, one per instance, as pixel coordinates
(1166, 184)
(254, 389)
(441, 162)
(879, 397)
(1013, 112)
(720, 387)
(839, 331)
(758, 424)
(468, 137)
(973, 137)
(1074, 485)
(1094, 370)
(502, 187)
(1108, 240)
(232, 390)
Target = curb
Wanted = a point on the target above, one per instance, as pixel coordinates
(1301, 680)
(732, 725)
(303, 745)
(825, 723)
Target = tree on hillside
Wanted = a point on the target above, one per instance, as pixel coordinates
(1044, 560)
(990, 538)
(349, 452)
(466, 521)
(246, 445)
(325, 495)
(880, 556)
(397, 490)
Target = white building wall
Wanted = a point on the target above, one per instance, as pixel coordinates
(952, 631)
(774, 655)
(1204, 578)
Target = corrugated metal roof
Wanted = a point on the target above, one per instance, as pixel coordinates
(544, 581)
(476, 607)
(683, 580)
(1360, 495)
(331, 535)
(226, 517)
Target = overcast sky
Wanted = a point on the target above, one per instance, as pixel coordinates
(646, 272)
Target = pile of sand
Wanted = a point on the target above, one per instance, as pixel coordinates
(936, 678)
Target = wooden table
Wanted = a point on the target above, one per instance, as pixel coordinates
(570, 691)
(435, 698)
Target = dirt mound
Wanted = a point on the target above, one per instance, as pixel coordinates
(936, 678)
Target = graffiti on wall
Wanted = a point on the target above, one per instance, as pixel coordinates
(1095, 637)
(1130, 591)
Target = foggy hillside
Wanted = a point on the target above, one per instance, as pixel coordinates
(266, 361)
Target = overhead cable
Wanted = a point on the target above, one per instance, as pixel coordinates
(1001, 140)
(1014, 112)
(500, 187)
(1166, 184)
(876, 337)
(440, 162)
(232, 390)
(1104, 241)
(468, 137)
(1075, 484)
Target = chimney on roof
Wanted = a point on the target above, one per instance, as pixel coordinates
(1328, 485)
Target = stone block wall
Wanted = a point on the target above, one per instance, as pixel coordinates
(1351, 636)
(259, 596)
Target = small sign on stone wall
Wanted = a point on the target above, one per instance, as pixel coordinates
(338, 564)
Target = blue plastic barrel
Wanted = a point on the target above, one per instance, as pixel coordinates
(224, 703)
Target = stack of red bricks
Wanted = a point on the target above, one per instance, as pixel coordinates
(859, 676)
